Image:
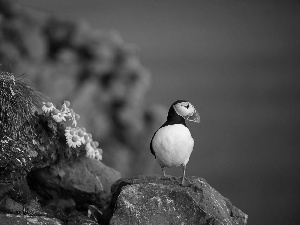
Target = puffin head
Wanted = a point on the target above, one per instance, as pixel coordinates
(186, 110)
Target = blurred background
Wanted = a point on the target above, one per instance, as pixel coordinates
(238, 63)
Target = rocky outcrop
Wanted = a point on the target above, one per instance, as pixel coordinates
(138, 200)
(155, 200)
(82, 182)
(11, 219)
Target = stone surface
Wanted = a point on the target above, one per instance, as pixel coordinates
(10, 206)
(82, 220)
(86, 181)
(153, 200)
(5, 187)
(11, 219)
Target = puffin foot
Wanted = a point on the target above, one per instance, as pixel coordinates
(183, 181)
(166, 177)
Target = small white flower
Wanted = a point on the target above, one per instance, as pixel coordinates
(73, 142)
(74, 117)
(74, 121)
(67, 130)
(86, 138)
(98, 155)
(90, 151)
(59, 117)
(67, 133)
(81, 134)
(73, 138)
(48, 107)
(64, 108)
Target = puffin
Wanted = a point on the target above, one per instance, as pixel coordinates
(172, 144)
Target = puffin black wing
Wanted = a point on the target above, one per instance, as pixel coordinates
(151, 148)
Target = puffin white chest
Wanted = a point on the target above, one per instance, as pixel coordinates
(173, 145)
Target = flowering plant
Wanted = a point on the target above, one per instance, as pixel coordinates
(75, 137)
(35, 135)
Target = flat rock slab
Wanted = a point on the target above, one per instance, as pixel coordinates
(11, 219)
(85, 180)
(155, 200)
(82, 220)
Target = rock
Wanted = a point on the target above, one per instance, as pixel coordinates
(62, 205)
(5, 187)
(82, 220)
(11, 219)
(20, 192)
(86, 181)
(154, 200)
(10, 206)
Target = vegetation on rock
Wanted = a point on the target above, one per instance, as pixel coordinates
(18, 102)
(37, 137)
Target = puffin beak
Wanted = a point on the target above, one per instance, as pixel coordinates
(194, 117)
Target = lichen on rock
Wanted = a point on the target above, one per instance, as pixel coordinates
(156, 200)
